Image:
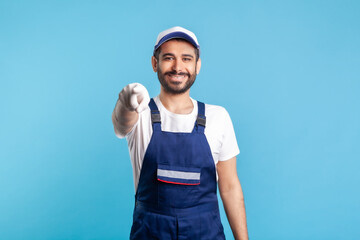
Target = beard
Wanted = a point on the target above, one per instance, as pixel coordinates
(177, 89)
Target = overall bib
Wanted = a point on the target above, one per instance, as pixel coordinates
(176, 195)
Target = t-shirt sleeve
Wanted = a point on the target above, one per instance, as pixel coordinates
(133, 130)
(138, 128)
(138, 139)
(229, 147)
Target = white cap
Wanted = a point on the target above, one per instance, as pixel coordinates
(176, 32)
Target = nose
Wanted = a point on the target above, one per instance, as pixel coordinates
(177, 65)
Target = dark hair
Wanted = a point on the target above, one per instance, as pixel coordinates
(157, 52)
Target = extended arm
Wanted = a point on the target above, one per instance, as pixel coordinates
(133, 99)
(232, 197)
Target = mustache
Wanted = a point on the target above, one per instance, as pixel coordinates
(177, 73)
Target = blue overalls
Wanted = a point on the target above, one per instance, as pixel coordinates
(176, 195)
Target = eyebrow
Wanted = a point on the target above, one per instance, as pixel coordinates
(168, 54)
(173, 55)
(188, 55)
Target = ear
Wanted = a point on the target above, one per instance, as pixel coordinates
(198, 66)
(154, 63)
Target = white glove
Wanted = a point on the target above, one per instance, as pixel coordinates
(134, 97)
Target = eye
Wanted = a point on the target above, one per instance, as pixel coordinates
(168, 58)
(186, 59)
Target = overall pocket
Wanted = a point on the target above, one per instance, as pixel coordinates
(178, 175)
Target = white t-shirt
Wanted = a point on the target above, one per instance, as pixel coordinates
(219, 133)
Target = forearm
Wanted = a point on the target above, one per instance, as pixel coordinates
(233, 201)
(123, 119)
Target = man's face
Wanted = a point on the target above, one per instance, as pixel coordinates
(177, 67)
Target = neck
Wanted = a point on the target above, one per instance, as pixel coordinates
(177, 103)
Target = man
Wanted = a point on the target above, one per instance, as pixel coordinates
(179, 148)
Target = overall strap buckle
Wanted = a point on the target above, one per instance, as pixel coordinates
(155, 115)
(201, 118)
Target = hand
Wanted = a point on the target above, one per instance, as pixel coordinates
(135, 97)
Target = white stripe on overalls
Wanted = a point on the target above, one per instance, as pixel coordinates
(178, 174)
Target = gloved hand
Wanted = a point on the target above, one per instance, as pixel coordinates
(134, 97)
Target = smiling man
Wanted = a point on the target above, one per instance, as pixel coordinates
(180, 149)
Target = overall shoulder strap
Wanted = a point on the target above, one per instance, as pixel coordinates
(155, 115)
(201, 118)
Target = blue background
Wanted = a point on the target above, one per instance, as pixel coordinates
(286, 71)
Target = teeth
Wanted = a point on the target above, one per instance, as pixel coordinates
(177, 76)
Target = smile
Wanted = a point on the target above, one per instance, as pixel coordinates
(176, 77)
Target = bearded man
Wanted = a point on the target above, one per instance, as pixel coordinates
(180, 149)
